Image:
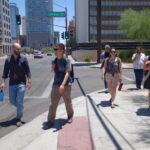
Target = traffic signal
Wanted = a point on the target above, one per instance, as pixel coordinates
(66, 35)
(62, 35)
(18, 19)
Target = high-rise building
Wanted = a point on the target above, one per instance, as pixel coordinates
(86, 19)
(5, 34)
(24, 31)
(15, 29)
(56, 37)
(71, 29)
(39, 26)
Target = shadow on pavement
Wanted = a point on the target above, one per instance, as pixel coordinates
(9, 123)
(143, 112)
(104, 104)
(132, 89)
(84, 64)
(59, 123)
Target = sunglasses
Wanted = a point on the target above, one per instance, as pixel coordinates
(55, 49)
(113, 52)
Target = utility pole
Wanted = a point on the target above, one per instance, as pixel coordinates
(66, 20)
(99, 29)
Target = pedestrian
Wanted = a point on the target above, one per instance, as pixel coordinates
(17, 69)
(103, 57)
(113, 69)
(61, 86)
(147, 77)
(138, 65)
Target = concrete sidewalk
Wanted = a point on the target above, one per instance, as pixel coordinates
(96, 126)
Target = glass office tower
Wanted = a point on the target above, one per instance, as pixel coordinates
(39, 26)
(111, 12)
(5, 34)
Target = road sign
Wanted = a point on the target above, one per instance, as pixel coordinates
(56, 14)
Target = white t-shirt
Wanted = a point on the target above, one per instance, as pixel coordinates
(139, 61)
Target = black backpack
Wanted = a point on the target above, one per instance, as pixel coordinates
(71, 78)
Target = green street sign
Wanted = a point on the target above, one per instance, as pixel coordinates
(56, 14)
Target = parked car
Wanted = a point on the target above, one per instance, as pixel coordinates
(49, 54)
(38, 55)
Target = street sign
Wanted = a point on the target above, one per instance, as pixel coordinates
(56, 14)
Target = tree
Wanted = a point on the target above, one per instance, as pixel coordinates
(50, 49)
(136, 24)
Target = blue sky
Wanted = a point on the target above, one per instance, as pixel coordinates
(58, 21)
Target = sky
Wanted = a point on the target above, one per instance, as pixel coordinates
(58, 21)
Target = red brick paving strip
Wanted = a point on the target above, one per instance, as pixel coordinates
(75, 136)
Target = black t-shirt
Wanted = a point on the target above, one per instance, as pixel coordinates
(62, 66)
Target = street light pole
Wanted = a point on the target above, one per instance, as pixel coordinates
(99, 29)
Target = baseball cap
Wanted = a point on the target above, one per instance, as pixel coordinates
(107, 46)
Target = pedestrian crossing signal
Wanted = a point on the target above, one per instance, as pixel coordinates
(18, 19)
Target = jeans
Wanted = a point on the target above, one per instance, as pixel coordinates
(139, 73)
(105, 82)
(16, 96)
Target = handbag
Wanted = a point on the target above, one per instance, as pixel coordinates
(1, 96)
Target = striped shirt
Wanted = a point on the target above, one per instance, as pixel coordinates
(139, 61)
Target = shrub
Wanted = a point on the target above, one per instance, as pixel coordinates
(88, 58)
(146, 51)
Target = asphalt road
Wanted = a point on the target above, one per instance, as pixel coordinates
(37, 101)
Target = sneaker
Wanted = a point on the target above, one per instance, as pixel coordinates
(70, 119)
(112, 106)
(48, 125)
(18, 122)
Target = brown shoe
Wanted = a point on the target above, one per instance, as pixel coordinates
(49, 124)
(18, 122)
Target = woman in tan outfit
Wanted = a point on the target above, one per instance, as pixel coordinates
(113, 69)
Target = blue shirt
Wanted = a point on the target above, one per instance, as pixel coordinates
(16, 69)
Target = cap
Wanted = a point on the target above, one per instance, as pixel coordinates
(107, 46)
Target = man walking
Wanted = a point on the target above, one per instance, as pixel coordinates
(138, 65)
(61, 87)
(103, 57)
(17, 69)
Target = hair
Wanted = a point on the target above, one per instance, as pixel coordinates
(138, 47)
(115, 51)
(62, 46)
(16, 45)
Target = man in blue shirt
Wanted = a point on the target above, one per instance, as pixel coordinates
(17, 69)
(103, 57)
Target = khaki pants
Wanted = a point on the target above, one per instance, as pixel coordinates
(55, 98)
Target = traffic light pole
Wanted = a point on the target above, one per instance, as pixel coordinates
(99, 29)
(66, 20)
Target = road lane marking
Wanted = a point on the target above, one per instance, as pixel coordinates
(129, 79)
(47, 91)
(45, 94)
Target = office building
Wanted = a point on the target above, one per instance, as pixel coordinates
(71, 29)
(39, 27)
(56, 37)
(5, 33)
(24, 31)
(15, 29)
(86, 19)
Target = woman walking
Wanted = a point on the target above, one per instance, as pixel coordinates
(147, 77)
(113, 69)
